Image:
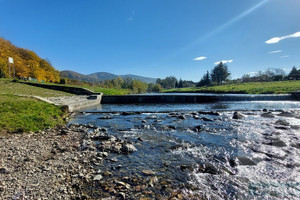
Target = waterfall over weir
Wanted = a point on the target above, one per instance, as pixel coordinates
(191, 98)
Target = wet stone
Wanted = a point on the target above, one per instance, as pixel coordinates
(286, 114)
(245, 161)
(267, 115)
(282, 122)
(128, 148)
(206, 119)
(148, 172)
(277, 143)
(181, 117)
(208, 168)
(237, 115)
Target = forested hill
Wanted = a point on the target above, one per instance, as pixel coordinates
(27, 63)
(101, 76)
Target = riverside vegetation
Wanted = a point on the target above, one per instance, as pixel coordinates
(274, 87)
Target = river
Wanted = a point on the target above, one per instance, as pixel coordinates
(208, 154)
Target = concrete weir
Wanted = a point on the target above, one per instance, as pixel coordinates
(196, 98)
(83, 97)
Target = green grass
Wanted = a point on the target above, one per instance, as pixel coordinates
(109, 91)
(276, 87)
(105, 91)
(14, 88)
(23, 114)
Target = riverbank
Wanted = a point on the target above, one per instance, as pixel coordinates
(276, 87)
(19, 112)
(62, 163)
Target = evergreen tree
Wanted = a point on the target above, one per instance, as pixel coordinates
(294, 74)
(220, 73)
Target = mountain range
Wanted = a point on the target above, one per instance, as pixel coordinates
(101, 76)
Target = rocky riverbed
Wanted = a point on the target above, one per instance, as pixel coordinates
(63, 163)
(156, 155)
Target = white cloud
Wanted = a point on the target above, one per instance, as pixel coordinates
(223, 61)
(278, 39)
(277, 51)
(200, 58)
(285, 56)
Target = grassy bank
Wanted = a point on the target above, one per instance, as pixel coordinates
(277, 87)
(105, 91)
(21, 114)
(14, 88)
(108, 91)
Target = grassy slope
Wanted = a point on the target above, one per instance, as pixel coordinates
(7, 87)
(105, 91)
(19, 114)
(278, 87)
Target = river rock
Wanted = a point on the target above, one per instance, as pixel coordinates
(282, 122)
(238, 115)
(128, 148)
(198, 128)
(208, 168)
(107, 173)
(206, 119)
(267, 115)
(3, 170)
(286, 114)
(181, 117)
(245, 161)
(277, 143)
(148, 172)
(209, 113)
(98, 177)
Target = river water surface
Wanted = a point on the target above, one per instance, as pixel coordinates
(209, 153)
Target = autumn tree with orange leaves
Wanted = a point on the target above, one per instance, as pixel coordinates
(27, 63)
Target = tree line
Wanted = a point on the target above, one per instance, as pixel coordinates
(27, 64)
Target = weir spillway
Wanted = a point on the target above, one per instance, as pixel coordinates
(195, 98)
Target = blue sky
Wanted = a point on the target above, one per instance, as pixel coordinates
(156, 38)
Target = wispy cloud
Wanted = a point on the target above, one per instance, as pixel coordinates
(200, 58)
(223, 61)
(131, 18)
(285, 56)
(278, 39)
(277, 51)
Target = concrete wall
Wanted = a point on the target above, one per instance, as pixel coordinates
(296, 95)
(72, 90)
(132, 99)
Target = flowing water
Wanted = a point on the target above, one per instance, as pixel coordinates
(209, 153)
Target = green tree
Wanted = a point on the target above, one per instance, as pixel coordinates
(294, 74)
(139, 86)
(205, 81)
(220, 73)
(180, 83)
